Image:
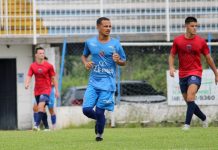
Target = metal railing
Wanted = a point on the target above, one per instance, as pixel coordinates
(77, 17)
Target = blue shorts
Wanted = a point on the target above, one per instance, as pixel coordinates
(42, 98)
(52, 98)
(185, 82)
(102, 99)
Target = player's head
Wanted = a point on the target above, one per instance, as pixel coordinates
(191, 25)
(104, 26)
(40, 53)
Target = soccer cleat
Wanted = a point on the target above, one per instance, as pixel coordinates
(46, 130)
(186, 127)
(205, 124)
(36, 128)
(98, 139)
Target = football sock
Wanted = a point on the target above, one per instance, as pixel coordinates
(35, 115)
(45, 120)
(53, 119)
(100, 120)
(199, 113)
(39, 118)
(190, 112)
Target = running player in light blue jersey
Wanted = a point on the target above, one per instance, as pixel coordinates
(106, 53)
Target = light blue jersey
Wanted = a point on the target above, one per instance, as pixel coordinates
(103, 73)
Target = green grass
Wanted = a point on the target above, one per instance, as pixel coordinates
(114, 139)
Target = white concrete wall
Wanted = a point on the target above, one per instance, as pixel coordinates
(134, 113)
(70, 115)
(158, 112)
(23, 55)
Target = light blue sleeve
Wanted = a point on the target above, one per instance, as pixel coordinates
(120, 51)
(86, 50)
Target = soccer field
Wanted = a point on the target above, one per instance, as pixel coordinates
(115, 139)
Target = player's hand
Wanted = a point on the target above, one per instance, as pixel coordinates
(26, 86)
(172, 71)
(116, 57)
(57, 94)
(216, 79)
(89, 65)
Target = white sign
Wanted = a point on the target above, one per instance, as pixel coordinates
(206, 95)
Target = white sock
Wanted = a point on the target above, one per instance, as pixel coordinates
(99, 135)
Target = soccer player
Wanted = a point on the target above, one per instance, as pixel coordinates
(50, 107)
(189, 47)
(44, 76)
(106, 53)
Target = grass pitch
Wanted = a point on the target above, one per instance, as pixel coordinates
(114, 139)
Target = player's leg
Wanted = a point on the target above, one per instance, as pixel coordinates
(37, 116)
(197, 82)
(35, 112)
(100, 117)
(53, 117)
(183, 83)
(51, 108)
(89, 101)
(45, 121)
(105, 102)
(43, 100)
(191, 94)
(194, 83)
(197, 112)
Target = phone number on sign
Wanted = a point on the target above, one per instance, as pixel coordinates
(206, 97)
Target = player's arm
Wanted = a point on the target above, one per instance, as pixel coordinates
(88, 64)
(119, 55)
(86, 52)
(117, 60)
(29, 77)
(212, 65)
(171, 60)
(54, 81)
(171, 64)
(27, 82)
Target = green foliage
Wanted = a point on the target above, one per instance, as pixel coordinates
(150, 67)
(75, 73)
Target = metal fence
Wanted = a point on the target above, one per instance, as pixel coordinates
(77, 17)
(145, 63)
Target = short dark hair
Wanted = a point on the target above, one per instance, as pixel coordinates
(190, 19)
(99, 20)
(38, 48)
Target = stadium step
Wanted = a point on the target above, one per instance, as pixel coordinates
(21, 32)
(20, 19)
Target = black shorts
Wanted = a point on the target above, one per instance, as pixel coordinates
(42, 98)
(185, 82)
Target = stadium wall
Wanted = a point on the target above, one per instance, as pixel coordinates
(127, 113)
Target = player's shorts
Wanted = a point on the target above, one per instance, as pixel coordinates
(185, 82)
(52, 98)
(100, 98)
(42, 98)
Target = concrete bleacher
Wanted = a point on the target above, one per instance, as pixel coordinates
(18, 19)
(132, 21)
